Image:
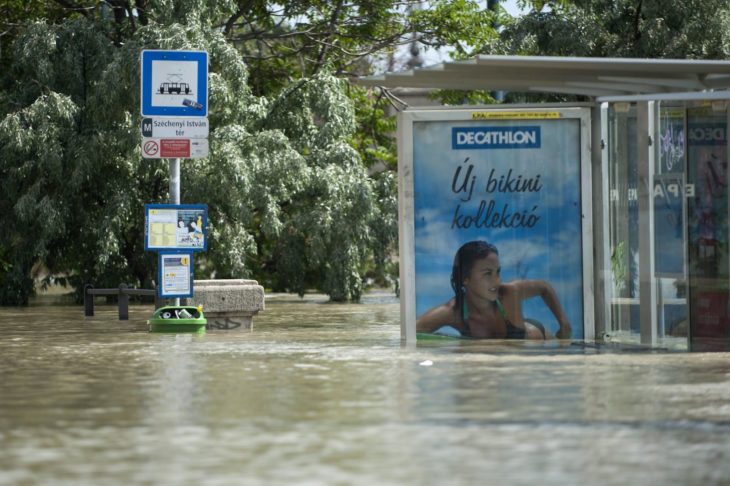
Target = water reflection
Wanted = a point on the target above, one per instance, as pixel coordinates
(325, 394)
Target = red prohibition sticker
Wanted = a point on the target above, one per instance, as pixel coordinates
(151, 147)
(175, 147)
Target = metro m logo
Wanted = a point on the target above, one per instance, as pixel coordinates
(147, 127)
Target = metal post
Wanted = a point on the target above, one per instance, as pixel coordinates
(647, 286)
(88, 301)
(406, 242)
(175, 190)
(159, 301)
(603, 278)
(174, 181)
(123, 303)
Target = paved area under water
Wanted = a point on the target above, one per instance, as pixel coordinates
(324, 393)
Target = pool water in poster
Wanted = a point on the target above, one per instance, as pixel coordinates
(514, 183)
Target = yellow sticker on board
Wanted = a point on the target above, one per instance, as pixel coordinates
(515, 115)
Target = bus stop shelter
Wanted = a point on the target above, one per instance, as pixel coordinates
(659, 152)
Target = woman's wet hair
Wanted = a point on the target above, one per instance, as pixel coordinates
(463, 262)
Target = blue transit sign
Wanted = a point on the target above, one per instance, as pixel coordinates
(174, 83)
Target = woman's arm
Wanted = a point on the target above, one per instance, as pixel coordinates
(436, 317)
(526, 289)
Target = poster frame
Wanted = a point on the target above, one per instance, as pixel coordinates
(162, 256)
(406, 202)
(202, 208)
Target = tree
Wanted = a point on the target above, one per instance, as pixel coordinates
(284, 187)
(694, 29)
(300, 182)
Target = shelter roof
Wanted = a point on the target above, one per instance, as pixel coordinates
(601, 78)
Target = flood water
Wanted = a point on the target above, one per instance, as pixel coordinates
(324, 393)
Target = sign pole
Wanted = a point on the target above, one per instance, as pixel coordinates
(175, 190)
(174, 181)
(174, 109)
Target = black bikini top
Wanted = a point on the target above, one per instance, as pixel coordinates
(513, 332)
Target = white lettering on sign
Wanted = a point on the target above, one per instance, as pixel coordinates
(175, 127)
(660, 190)
(495, 137)
(674, 190)
(707, 134)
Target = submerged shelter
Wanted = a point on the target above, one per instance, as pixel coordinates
(652, 177)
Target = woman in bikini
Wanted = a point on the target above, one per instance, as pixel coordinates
(484, 307)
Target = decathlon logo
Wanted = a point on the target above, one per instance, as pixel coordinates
(495, 137)
(707, 133)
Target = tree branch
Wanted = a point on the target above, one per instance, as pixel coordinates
(325, 46)
(74, 7)
(142, 11)
(637, 22)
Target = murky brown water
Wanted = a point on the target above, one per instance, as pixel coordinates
(325, 394)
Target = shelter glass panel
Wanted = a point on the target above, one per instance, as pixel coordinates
(623, 223)
(709, 262)
(627, 225)
(670, 193)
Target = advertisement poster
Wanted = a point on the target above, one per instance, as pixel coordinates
(176, 227)
(176, 275)
(509, 181)
(708, 209)
(709, 265)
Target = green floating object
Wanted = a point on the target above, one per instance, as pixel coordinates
(178, 318)
(426, 336)
(445, 332)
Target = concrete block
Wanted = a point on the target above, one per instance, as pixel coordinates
(228, 304)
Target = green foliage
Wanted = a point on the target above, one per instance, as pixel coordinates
(285, 41)
(460, 25)
(374, 138)
(694, 29)
(305, 191)
(619, 269)
(463, 97)
(290, 200)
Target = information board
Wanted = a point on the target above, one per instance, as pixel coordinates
(176, 227)
(176, 275)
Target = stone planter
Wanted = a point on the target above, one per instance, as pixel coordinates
(228, 304)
